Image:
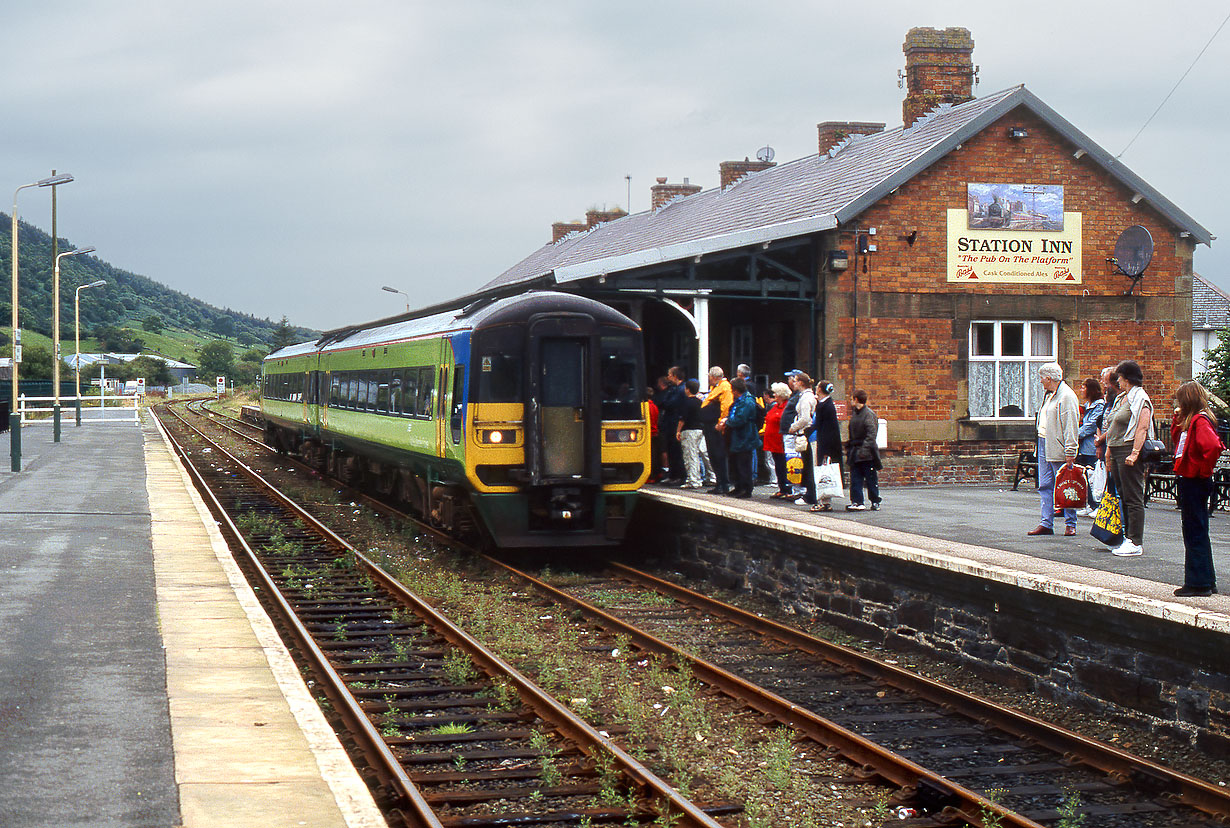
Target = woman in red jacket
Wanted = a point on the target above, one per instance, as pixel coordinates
(773, 440)
(1197, 447)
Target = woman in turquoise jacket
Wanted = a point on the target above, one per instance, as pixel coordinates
(744, 441)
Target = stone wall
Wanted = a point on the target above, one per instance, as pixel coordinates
(1167, 676)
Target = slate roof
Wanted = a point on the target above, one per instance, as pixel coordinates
(1210, 304)
(809, 195)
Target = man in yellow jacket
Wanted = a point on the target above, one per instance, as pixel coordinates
(713, 413)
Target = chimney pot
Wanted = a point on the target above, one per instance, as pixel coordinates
(662, 193)
(832, 133)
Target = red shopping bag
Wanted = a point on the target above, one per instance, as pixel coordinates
(1070, 487)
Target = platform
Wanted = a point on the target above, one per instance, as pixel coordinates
(981, 531)
(141, 684)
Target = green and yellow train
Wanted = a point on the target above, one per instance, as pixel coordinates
(522, 421)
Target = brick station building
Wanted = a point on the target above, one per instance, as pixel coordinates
(936, 264)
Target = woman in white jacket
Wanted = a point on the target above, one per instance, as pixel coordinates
(805, 412)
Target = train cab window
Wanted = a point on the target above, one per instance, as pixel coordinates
(619, 370)
(497, 360)
(427, 382)
(382, 393)
(459, 389)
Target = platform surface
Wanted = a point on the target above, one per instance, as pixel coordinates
(140, 682)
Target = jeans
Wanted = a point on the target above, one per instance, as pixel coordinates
(1046, 490)
(691, 442)
(864, 473)
(809, 474)
(1193, 497)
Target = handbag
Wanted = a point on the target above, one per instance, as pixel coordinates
(1152, 451)
(1097, 481)
(1108, 522)
(1070, 487)
(828, 480)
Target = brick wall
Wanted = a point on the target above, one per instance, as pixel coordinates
(912, 324)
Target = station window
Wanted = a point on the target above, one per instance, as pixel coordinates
(1004, 357)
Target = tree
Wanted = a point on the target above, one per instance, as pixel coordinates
(283, 334)
(224, 326)
(216, 358)
(36, 363)
(153, 324)
(155, 371)
(1216, 376)
(117, 340)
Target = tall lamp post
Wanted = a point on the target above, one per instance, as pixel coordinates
(55, 335)
(77, 329)
(402, 292)
(14, 416)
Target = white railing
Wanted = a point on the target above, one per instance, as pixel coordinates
(116, 408)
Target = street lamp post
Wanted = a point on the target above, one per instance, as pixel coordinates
(402, 292)
(77, 329)
(14, 416)
(55, 336)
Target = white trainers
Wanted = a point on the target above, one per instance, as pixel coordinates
(1127, 549)
(1086, 512)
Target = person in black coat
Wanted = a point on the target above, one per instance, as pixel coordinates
(671, 413)
(828, 437)
(864, 454)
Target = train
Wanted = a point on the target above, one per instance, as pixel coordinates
(516, 422)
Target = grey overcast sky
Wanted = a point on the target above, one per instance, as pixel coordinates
(293, 156)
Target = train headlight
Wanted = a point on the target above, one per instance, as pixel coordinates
(621, 435)
(499, 436)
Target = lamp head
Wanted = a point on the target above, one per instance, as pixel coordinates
(62, 178)
(99, 283)
(390, 289)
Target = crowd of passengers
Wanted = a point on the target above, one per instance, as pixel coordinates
(720, 441)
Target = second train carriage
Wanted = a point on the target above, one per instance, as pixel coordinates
(524, 418)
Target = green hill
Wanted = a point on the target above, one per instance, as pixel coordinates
(166, 321)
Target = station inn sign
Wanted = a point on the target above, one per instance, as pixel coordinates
(1014, 233)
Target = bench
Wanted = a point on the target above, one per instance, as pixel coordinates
(1026, 468)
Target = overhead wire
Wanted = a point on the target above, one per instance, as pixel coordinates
(1176, 86)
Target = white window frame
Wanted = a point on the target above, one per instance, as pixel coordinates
(998, 359)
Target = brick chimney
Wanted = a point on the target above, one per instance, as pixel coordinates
(661, 194)
(592, 219)
(731, 171)
(833, 133)
(938, 70)
(562, 228)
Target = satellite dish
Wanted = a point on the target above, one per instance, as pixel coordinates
(765, 154)
(1133, 252)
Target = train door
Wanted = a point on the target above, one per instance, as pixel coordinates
(562, 438)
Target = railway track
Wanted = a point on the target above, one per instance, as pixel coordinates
(449, 733)
(941, 746)
(953, 757)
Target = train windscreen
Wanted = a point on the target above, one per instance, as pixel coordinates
(622, 377)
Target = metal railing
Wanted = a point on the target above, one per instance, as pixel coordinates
(116, 408)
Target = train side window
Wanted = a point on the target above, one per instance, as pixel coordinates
(459, 389)
(395, 392)
(369, 389)
(427, 385)
(382, 393)
(335, 389)
(410, 392)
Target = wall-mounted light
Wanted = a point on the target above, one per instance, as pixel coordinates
(1136, 199)
(1018, 132)
(1080, 153)
(839, 260)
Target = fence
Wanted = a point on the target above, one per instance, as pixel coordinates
(109, 409)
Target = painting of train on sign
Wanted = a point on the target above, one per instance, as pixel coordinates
(1015, 206)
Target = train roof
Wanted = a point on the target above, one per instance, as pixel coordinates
(477, 315)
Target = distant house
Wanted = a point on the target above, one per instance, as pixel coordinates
(1210, 315)
(179, 370)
